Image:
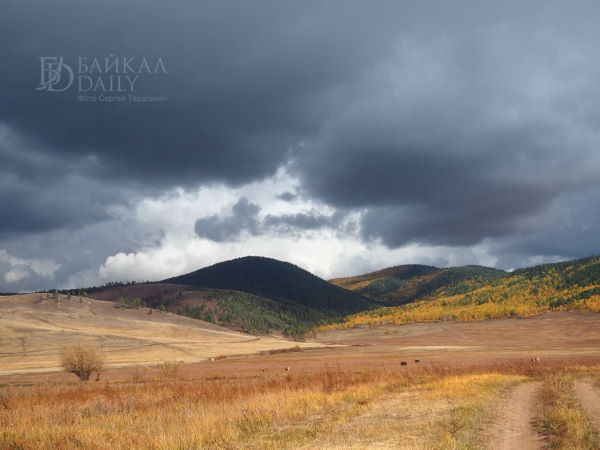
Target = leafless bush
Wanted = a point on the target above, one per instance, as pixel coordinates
(83, 360)
(138, 373)
(170, 369)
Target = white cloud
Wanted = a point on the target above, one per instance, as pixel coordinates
(14, 275)
(326, 252)
(16, 269)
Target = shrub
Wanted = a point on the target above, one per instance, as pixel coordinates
(130, 303)
(138, 373)
(170, 369)
(83, 360)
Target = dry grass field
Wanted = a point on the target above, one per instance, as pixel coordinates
(420, 406)
(550, 335)
(475, 387)
(34, 329)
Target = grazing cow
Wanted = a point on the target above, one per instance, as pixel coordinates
(535, 359)
(287, 369)
(403, 363)
(418, 360)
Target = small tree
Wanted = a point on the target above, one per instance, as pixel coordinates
(83, 360)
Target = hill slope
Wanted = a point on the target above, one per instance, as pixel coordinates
(232, 309)
(35, 328)
(405, 284)
(476, 294)
(276, 280)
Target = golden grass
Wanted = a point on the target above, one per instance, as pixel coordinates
(461, 424)
(283, 411)
(563, 421)
(395, 416)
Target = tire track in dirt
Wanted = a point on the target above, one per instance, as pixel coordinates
(589, 398)
(513, 425)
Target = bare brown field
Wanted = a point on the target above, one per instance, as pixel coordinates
(550, 335)
(34, 329)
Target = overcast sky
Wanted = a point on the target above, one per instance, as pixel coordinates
(343, 136)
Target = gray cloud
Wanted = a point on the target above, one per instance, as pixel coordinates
(245, 84)
(312, 220)
(287, 196)
(244, 218)
(41, 192)
(444, 124)
(465, 134)
(567, 229)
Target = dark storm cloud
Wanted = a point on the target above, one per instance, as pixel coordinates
(245, 81)
(567, 229)
(466, 134)
(40, 192)
(441, 123)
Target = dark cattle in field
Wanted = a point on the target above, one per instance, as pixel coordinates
(403, 363)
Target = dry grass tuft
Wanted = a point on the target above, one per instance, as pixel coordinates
(170, 369)
(563, 421)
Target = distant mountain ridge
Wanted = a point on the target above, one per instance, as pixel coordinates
(399, 285)
(475, 293)
(258, 294)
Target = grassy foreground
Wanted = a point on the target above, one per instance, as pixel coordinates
(563, 420)
(324, 408)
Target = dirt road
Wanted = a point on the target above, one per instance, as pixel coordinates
(589, 398)
(512, 428)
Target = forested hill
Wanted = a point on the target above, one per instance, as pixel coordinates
(408, 283)
(276, 280)
(486, 293)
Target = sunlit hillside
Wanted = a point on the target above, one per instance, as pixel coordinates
(35, 329)
(404, 284)
(572, 285)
